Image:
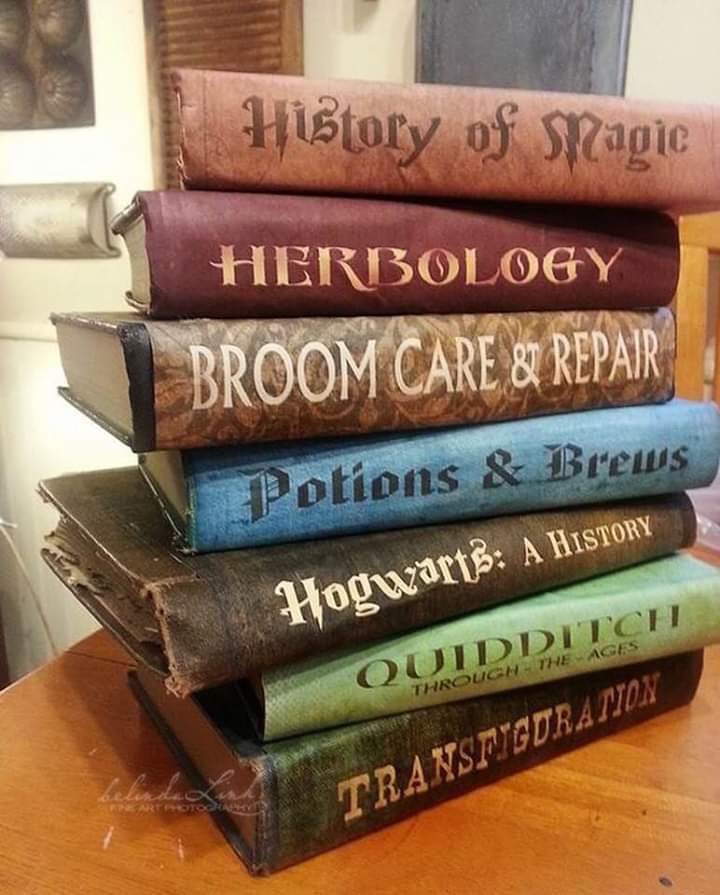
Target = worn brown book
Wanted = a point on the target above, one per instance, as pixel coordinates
(208, 619)
(278, 133)
(212, 254)
(201, 383)
(282, 802)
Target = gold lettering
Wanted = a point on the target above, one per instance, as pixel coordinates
(471, 271)
(586, 718)
(446, 272)
(581, 356)
(527, 266)
(551, 267)
(351, 788)
(486, 363)
(417, 782)
(397, 259)
(228, 262)
(326, 261)
(438, 370)
(650, 684)
(521, 735)
(602, 266)
(541, 727)
(465, 750)
(387, 790)
(563, 727)
(366, 363)
(633, 693)
(465, 357)
(650, 347)
(444, 757)
(605, 696)
(283, 262)
(487, 739)
(404, 346)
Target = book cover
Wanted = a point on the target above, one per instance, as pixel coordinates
(211, 254)
(288, 134)
(280, 803)
(203, 383)
(657, 608)
(202, 620)
(291, 491)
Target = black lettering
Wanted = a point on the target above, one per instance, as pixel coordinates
(564, 461)
(256, 131)
(384, 485)
(391, 672)
(266, 487)
(446, 477)
(425, 482)
(679, 458)
(499, 474)
(570, 139)
(311, 492)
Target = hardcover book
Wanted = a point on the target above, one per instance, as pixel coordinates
(248, 495)
(202, 383)
(244, 131)
(657, 608)
(282, 802)
(203, 620)
(210, 254)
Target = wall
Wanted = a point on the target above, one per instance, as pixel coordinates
(672, 55)
(39, 435)
(674, 50)
(369, 39)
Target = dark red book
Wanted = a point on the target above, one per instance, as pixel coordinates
(212, 254)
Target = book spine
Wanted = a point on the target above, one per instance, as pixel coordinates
(228, 381)
(245, 131)
(267, 494)
(359, 778)
(236, 255)
(655, 609)
(301, 600)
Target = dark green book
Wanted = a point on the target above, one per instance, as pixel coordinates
(282, 802)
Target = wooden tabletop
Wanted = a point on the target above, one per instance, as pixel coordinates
(633, 814)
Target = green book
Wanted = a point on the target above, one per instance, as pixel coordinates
(278, 803)
(655, 609)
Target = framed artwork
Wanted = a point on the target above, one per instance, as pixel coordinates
(45, 65)
(576, 46)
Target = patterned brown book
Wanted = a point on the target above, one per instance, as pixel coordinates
(279, 133)
(200, 383)
(211, 254)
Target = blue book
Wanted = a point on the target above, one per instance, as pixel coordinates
(222, 498)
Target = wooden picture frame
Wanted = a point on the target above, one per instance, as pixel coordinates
(255, 35)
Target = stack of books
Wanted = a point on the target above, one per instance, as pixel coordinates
(410, 491)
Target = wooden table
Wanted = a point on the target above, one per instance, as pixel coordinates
(637, 813)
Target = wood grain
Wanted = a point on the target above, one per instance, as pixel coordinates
(699, 237)
(614, 817)
(691, 310)
(4, 674)
(255, 35)
(701, 230)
